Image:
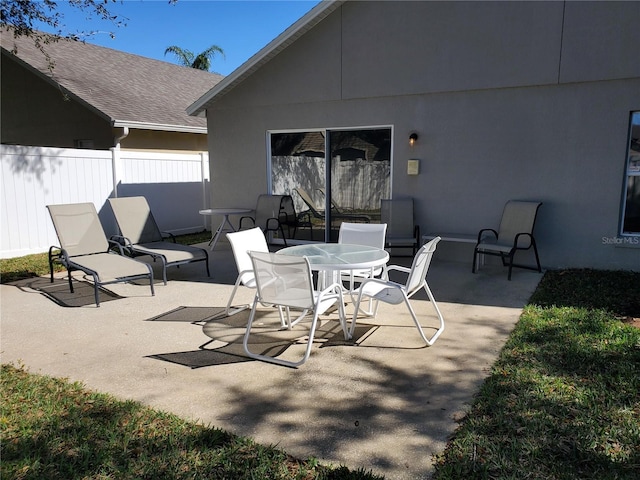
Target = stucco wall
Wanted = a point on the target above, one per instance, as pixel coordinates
(505, 101)
(35, 113)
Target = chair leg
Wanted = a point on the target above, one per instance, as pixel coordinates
(475, 260)
(278, 361)
(95, 289)
(70, 280)
(511, 254)
(435, 336)
(535, 251)
(227, 310)
(206, 262)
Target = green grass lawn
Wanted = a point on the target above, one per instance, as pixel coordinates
(563, 399)
(561, 402)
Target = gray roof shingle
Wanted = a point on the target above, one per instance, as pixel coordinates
(129, 90)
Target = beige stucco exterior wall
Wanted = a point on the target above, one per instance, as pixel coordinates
(511, 100)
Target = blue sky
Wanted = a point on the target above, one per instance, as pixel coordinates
(240, 27)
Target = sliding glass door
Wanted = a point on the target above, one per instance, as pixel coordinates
(346, 184)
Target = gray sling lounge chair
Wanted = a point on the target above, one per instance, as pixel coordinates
(84, 246)
(314, 212)
(140, 235)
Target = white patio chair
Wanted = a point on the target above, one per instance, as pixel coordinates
(395, 293)
(515, 233)
(368, 234)
(242, 242)
(84, 246)
(285, 281)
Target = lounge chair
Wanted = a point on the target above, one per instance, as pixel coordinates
(140, 235)
(84, 247)
(515, 233)
(314, 212)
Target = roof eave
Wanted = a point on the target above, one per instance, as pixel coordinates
(282, 41)
(159, 126)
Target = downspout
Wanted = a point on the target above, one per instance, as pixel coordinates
(115, 160)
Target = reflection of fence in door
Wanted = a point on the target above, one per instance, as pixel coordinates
(357, 184)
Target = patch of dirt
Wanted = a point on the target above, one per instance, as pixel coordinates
(633, 321)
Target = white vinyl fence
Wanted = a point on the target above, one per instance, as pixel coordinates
(176, 186)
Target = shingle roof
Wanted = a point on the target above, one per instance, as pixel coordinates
(128, 90)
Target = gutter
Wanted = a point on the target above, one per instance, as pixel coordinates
(158, 126)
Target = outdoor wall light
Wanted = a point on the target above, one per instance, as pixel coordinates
(412, 139)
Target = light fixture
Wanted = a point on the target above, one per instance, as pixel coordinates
(412, 139)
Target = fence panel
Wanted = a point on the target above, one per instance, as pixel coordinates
(34, 177)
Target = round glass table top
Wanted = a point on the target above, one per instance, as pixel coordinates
(329, 256)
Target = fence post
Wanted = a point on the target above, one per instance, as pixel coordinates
(116, 165)
(204, 172)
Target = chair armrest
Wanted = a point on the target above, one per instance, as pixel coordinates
(398, 268)
(61, 257)
(120, 242)
(481, 233)
(270, 220)
(517, 239)
(55, 257)
(304, 217)
(241, 220)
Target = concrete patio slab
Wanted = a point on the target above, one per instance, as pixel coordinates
(384, 402)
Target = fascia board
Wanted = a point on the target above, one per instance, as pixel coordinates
(158, 126)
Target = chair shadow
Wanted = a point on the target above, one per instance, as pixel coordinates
(226, 334)
(58, 291)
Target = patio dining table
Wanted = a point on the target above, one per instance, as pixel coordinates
(329, 259)
(224, 212)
